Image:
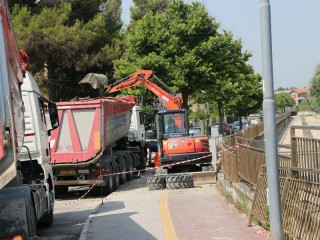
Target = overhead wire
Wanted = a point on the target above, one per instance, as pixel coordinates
(79, 90)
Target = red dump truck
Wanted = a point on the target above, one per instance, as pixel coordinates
(92, 140)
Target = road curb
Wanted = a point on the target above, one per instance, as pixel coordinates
(235, 190)
(85, 229)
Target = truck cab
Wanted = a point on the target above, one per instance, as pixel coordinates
(137, 130)
(36, 144)
(176, 144)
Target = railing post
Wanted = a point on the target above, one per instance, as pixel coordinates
(294, 158)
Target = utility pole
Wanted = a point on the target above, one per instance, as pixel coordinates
(269, 116)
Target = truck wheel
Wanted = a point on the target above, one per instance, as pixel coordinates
(123, 168)
(100, 190)
(116, 177)
(143, 161)
(156, 182)
(30, 210)
(129, 167)
(32, 220)
(179, 181)
(109, 178)
(47, 219)
(60, 190)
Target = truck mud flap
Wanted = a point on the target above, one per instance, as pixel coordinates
(177, 181)
(157, 182)
(17, 214)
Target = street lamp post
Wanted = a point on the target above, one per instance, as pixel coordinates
(269, 115)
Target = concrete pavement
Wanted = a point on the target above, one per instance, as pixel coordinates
(198, 213)
(308, 119)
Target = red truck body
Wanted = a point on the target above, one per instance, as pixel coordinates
(91, 143)
(87, 128)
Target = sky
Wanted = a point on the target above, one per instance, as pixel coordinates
(295, 34)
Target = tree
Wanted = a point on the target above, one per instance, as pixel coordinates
(169, 43)
(315, 90)
(283, 100)
(66, 48)
(182, 44)
(230, 81)
(141, 7)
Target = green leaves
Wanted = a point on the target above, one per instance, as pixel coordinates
(167, 42)
(68, 40)
(315, 90)
(283, 100)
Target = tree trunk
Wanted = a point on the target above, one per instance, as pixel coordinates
(52, 87)
(185, 97)
(220, 117)
(240, 120)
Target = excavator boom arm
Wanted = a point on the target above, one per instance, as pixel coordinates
(169, 98)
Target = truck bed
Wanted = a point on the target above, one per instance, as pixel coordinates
(87, 128)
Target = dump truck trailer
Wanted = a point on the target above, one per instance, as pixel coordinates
(93, 142)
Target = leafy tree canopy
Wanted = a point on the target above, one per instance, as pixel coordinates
(170, 44)
(141, 7)
(64, 47)
(283, 100)
(184, 47)
(315, 90)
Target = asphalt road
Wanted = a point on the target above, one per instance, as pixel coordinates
(70, 216)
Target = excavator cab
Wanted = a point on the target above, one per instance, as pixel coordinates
(172, 124)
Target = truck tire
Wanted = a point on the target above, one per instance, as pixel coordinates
(123, 169)
(100, 190)
(143, 163)
(60, 190)
(156, 182)
(177, 181)
(47, 219)
(32, 219)
(17, 212)
(109, 178)
(116, 177)
(129, 167)
(137, 160)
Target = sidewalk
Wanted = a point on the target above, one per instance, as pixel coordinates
(195, 213)
(297, 120)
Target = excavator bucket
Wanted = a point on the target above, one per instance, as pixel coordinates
(97, 81)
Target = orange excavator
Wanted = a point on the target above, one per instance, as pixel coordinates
(178, 150)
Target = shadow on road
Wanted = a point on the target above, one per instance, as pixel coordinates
(108, 224)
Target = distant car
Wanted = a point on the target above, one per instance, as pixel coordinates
(195, 131)
(254, 119)
(151, 134)
(236, 125)
(227, 128)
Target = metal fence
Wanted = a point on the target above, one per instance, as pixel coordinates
(244, 162)
(300, 201)
(299, 180)
(305, 151)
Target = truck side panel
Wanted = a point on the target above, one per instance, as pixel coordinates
(87, 128)
(11, 114)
